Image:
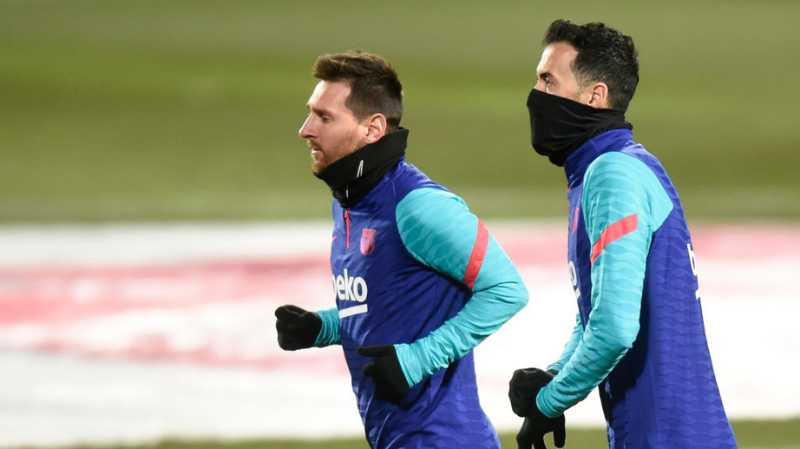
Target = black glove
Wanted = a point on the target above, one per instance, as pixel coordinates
(523, 388)
(535, 427)
(297, 328)
(385, 371)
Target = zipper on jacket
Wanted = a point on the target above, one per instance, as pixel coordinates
(347, 225)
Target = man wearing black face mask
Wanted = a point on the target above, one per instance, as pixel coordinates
(639, 334)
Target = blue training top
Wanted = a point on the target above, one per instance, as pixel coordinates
(414, 268)
(640, 332)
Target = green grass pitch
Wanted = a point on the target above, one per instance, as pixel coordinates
(189, 109)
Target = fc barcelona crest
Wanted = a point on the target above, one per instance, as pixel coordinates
(368, 241)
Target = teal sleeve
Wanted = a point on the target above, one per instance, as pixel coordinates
(569, 348)
(438, 229)
(623, 204)
(329, 333)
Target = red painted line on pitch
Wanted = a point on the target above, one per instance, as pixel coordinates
(53, 294)
(70, 309)
(63, 309)
(746, 241)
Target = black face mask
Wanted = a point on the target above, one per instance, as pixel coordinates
(559, 125)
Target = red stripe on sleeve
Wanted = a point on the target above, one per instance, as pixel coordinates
(614, 232)
(476, 258)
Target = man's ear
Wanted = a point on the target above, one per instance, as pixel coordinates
(376, 128)
(598, 96)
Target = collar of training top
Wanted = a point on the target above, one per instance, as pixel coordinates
(352, 177)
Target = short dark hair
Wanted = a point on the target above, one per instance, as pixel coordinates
(604, 55)
(374, 86)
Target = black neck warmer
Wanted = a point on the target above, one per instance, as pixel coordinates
(559, 125)
(352, 177)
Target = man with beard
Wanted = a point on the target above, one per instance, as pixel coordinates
(419, 281)
(639, 335)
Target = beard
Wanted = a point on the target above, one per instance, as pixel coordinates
(343, 147)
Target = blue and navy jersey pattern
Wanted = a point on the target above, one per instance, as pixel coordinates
(639, 334)
(412, 267)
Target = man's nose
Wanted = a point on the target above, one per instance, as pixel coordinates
(305, 130)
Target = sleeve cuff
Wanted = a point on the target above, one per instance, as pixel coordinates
(407, 363)
(543, 407)
(329, 333)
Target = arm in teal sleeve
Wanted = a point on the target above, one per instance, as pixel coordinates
(623, 205)
(329, 333)
(438, 229)
(569, 348)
